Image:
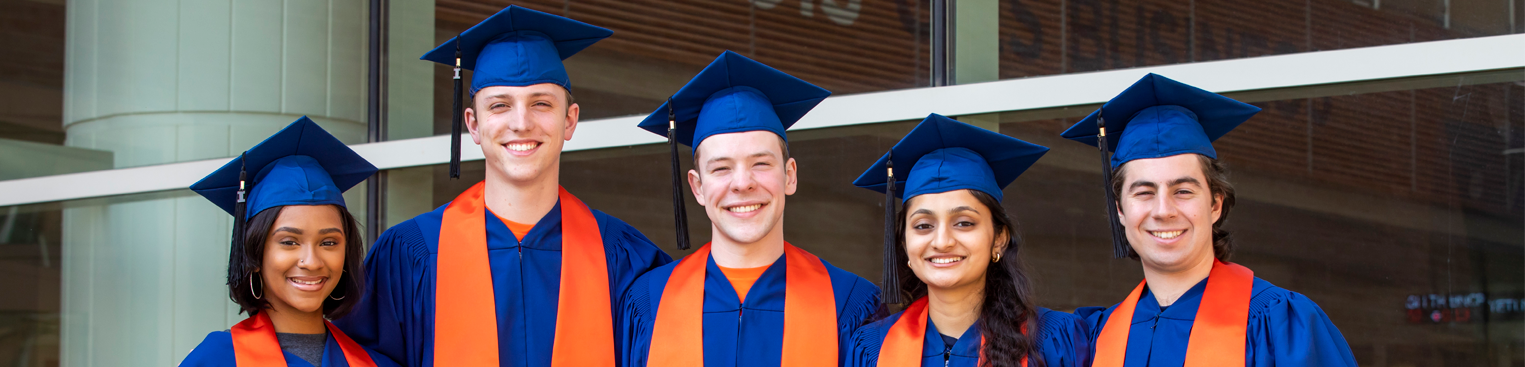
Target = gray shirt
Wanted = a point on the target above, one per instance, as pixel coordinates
(307, 346)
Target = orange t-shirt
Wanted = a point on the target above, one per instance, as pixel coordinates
(519, 229)
(742, 278)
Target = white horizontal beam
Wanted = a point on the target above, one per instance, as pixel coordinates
(1461, 56)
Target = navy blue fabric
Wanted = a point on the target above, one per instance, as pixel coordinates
(1158, 117)
(396, 315)
(217, 350)
(518, 47)
(735, 94)
(1061, 341)
(300, 165)
(943, 154)
(1285, 329)
(735, 333)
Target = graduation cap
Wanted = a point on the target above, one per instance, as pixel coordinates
(515, 47)
(1155, 117)
(733, 94)
(944, 155)
(300, 165)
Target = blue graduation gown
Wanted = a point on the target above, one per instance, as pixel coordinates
(737, 334)
(217, 350)
(1285, 329)
(396, 314)
(1061, 342)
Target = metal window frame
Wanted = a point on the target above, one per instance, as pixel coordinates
(1323, 73)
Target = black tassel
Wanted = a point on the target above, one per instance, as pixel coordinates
(240, 210)
(891, 281)
(455, 115)
(680, 211)
(1119, 241)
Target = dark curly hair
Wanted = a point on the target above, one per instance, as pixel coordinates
(1007, 307)
(1217, 184)
(242, 264)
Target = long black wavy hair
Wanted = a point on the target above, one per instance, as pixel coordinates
(1007, 307)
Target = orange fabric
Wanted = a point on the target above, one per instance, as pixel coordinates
(677, 334)
(903, 344)
(742, 278)
(1217, 335)
(585, 335)
(810, 334)
(465, 325)
(518, 229)
(254, 344)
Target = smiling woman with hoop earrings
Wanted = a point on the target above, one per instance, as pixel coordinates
(296, 253)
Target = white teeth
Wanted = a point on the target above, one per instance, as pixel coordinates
(744, 209)
(315, 282)
(521, 147)
(945, 260)
(1166, 235)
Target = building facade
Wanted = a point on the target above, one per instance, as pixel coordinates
(1385, 178)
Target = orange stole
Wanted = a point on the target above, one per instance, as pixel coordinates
(1217, 335)
(254, 344)
(810, 334)
(902, 345)
(465, 325)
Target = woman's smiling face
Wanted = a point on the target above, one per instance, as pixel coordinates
(950, 239)
(304, 258)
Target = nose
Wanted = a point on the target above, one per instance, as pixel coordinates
(519, 121)
(743, 180)
(1164, 208)
(943, 240)
(308, 258)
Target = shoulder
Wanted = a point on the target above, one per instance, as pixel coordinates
(215, 350)
(1266, 298)
(646, 291)
(856, 297)
(1061, 325)
(417, 236)
(864, 345)
(381, 360)
(620, 235)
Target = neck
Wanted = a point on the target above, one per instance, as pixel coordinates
(522, 201)
(292, 321)
(1168, 285)
(732, 254)
(955, 310)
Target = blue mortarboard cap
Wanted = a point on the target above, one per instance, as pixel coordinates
(1159, 117)
(518, 47)
(300, 165)
(735, 94)
(946, 155)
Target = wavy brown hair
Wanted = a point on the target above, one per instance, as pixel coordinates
(1008, 305)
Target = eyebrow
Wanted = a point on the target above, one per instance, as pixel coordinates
(753, 155)
(964, 209)
(288, 229)
(329, 230)
(1178, 181)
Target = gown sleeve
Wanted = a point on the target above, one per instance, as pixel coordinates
(215, 350)
(862, 347)
(632, 254)
(1064, 340)
(632, 326)
(394, 270)
(1288, 329)
(860, 307)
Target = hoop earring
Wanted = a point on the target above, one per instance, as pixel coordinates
(331, 295)
(997, 258)
(251, 286)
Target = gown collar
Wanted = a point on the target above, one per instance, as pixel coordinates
(500, 237)
(767, 293)
(1185, 308)
(968, 345)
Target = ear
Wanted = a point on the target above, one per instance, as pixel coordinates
(470, 118)
(693, 186)
(1217, 207)
(791, 173)
(573, 112)
(1002, 240)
